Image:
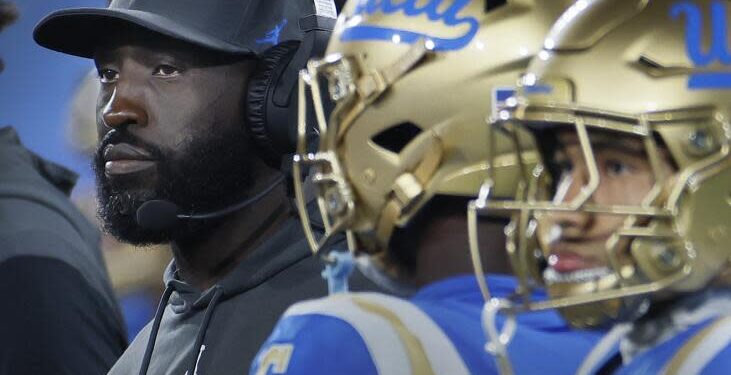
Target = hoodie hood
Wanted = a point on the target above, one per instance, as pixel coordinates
(42, 170)
(25, 175)
(271, 257)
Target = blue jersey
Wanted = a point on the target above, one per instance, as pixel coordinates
(439, 331)
(698, 342)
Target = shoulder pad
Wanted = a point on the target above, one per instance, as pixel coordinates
(397, 333)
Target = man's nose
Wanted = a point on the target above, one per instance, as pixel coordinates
(572, 223)
(124, 108)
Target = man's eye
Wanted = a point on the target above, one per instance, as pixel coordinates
(563, 166)
(616, 168)
(108, 76)
(166, 71)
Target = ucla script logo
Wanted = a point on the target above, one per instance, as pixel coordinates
(718, 50)
(448, 16)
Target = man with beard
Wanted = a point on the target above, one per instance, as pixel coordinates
(59, 314)
(194, 115)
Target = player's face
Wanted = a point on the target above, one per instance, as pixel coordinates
(170, 122)
(577, 241)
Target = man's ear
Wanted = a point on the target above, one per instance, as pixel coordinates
(8, 14)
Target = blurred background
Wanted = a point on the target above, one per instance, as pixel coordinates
(50, 98)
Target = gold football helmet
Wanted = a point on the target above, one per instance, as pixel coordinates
(653, 72)
(412, 85)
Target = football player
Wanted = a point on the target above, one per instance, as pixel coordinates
(628, 205)
(394, 167)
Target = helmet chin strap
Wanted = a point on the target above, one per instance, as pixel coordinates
(408, 188)
(338, 268)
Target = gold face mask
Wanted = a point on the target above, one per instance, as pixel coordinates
(629, 200)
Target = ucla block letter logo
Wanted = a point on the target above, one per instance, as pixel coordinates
(437, 11)
(716, 52)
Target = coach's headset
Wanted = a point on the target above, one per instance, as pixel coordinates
(270, 102)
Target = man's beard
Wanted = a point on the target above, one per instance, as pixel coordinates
(208, 173)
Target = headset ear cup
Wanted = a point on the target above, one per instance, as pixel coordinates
(262, 84)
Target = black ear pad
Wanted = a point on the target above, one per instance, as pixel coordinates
(269, 137)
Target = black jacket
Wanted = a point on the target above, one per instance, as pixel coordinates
(59, 314)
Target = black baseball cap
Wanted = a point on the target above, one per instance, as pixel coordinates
(229, 26)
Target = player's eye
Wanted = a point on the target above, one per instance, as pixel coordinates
(108, 76)
(616, 168)
(563, 166)
(165, 70)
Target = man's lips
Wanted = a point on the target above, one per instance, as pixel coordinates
(124, 158)
(566, 262)
(569, 261)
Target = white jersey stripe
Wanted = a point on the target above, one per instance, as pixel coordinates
(601, 350)
(719, 337)
(383, 343)
(443, 356)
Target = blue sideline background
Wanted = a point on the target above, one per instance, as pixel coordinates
(37, 84)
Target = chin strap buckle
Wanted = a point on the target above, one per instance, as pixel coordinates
(338, 268)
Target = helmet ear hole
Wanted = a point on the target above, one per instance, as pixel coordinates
(491, 5)
(397, 137)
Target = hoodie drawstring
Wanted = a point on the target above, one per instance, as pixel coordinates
(202, 330)
(155, 327)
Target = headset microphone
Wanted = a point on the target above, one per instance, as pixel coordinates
(158, 215)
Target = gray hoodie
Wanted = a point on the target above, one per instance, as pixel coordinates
(220, 330)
